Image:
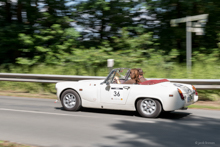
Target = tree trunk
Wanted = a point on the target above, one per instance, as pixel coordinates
(8, 12)
(19, 11)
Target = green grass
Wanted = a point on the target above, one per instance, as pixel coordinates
(204, 107)
(178, 71)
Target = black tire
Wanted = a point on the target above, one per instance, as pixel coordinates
(149, 108)
(70, 100)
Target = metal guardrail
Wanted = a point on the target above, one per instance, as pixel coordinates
(44, 78)
(205, 84)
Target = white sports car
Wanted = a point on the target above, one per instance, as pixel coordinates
(149, 98)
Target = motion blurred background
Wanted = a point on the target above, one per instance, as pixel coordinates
(76, 37)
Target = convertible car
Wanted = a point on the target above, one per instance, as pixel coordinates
(149, 98)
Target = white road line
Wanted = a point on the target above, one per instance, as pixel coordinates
(36, 112)
(49, 113)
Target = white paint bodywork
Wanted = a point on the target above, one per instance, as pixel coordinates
(94, 94)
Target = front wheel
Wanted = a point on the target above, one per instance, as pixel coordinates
(70, 100)
(149, 108)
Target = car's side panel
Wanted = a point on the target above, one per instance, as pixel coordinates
(93, 95)
(61, 86)
(165, 93)
(114, 93)
(87, 90)
(108, 106)
(89, 104)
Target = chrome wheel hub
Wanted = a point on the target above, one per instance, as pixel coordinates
(148, 106)
(69, 100)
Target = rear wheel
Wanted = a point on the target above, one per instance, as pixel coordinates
(70, 100)
(149, 108)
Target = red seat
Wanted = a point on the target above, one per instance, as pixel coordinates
(151, 82)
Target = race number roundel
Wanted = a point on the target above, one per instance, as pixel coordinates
(117, 94)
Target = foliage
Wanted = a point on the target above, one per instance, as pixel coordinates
(38, 35)
(35, 32)
(51, 46)
(26, 17)
(175, 37)
(102, 19)
(178, 71)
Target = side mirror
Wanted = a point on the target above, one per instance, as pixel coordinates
(107, 83)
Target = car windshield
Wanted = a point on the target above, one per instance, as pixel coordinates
(121, 73)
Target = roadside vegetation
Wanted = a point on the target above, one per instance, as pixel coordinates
(93, 62)
(11, 144)
(77, 38)
(151, 71)
(204, 107)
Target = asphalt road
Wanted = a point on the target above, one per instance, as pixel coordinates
(44, 123)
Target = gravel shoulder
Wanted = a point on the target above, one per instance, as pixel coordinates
(27, 94)
(214, 105)
(13, 144)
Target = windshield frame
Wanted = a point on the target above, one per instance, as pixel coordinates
(113, 71)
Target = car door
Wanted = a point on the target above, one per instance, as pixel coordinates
(114, 93)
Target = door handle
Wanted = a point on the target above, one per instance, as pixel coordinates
(126, 87)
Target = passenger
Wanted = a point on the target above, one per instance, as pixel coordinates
(141, 76)
(134, 74)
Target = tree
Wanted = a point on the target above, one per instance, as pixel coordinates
(101, 19)
(27, 17)
(53, 46)
(169, 38)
